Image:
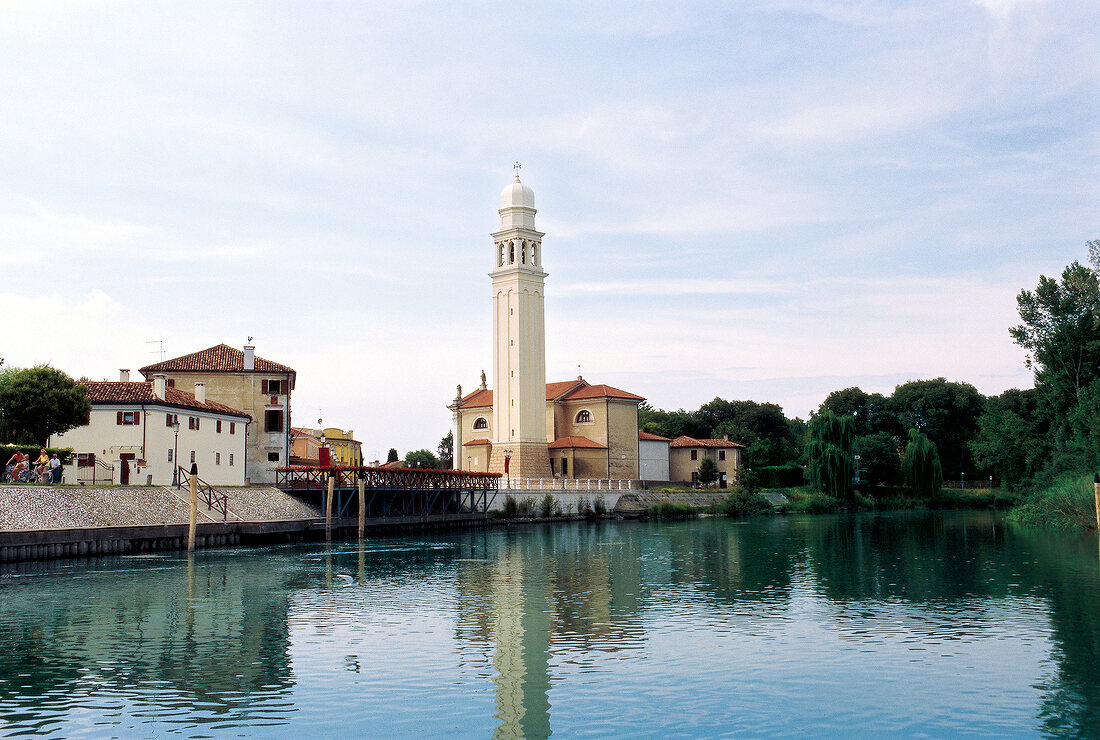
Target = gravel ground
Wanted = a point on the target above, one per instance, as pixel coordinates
(53, 507)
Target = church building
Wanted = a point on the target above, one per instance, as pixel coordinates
(525, 426)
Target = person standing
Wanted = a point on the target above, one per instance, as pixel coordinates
(55, 469)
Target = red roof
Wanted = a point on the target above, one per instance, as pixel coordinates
(575, 443)
(141, 392)
(686, 441)
(567, 390)
(218, 359)
(479, 441)
(646, 436)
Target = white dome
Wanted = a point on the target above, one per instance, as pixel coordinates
(516, 194)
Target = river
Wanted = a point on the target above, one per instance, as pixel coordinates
(904, 624)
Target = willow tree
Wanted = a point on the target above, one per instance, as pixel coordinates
(831, 467)
(921, 465)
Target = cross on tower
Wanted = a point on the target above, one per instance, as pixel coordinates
(517, 167)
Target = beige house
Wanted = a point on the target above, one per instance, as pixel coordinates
(240, 380)
(686, 453)
(132, 435)
(591, 431)
(305, 446)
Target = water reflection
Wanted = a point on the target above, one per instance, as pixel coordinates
(896, 624)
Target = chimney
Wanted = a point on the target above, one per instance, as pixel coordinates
(200, 392)
(159, 384)
(249, 358)
(124, 375)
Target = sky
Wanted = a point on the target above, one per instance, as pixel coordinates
(766, 200)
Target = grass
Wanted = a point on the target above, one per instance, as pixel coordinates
(1067, 504)
(670, 510)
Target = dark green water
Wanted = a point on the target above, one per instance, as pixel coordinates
(896, 625)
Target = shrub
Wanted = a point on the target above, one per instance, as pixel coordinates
(599, 507)
(510, 507)
(546, 506)
(1068, 503)
(740, 502)
(669, 510)
(779, 476)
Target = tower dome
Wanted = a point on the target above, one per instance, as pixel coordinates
(516, 194)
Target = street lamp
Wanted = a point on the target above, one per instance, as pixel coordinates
(507, 465)
(468, 459)
(857, 469)
(176, 454)
(963, 479)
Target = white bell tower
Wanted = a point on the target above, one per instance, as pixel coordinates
(519, 339)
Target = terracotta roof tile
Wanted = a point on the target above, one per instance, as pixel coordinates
(568, 390)
(575, 443)
(218, 359)
(104, 392)
(686, 441)
(652, 437)
(479, 441)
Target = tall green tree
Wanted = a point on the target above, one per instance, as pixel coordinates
(40, 401)
(445, 451)
(831, 467)
(945, 411)
(879, 459)
(870, 412)
(1013, 440)
(921, 464)
(392, 455)
(708, 470)
(1061, 334)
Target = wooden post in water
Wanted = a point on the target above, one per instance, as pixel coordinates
(362, 507)
(1096, 497)
(328, 508)
(194, 479)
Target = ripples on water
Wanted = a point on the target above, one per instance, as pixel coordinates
(906, 625)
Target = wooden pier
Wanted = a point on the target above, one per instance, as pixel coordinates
(398, 493)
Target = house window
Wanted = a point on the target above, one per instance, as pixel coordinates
(481, 423)
(564, 466)
(218, 424)
(169, 454)
(192, 457)
(232, 427)
(273, 457)
(171, 382)
(85, 459)
(721, 454)
(273, 420)
(128, 418)
(217, 458)
(695, 454)
(271, 387)
(584, 417)
(170, 419)
(230, 459)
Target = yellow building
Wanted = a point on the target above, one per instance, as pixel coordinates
(686, 453)
(344, 448)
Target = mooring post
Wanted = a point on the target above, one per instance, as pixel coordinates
(362, 506)
(1096, 497)
(194, 508)
(328, 508)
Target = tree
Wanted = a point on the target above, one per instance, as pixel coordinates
(708, 470)
(1061, 334)
(446, 451)
(421, 459)
(38, 402)
(921, 465)
(879, 460)
(831, 467)
(392, 456)
(946, 412)
(870, 412)
(1013, 438)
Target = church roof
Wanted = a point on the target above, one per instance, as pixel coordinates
(566, 390)
(220, 358)
(686, 441)
(141, 392)
(575, 443)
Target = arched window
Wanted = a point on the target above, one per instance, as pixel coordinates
(523, 252)
(480, 423)
(512, 254)
(534, 254)
(583, 417)
(501, 256)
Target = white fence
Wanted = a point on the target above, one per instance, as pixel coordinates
(568, 484)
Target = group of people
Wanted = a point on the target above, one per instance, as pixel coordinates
(45, 467)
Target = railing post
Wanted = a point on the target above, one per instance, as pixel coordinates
(192, 527)
(328, 508)
(362, 507)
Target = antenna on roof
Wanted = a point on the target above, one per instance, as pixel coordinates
(160, 350)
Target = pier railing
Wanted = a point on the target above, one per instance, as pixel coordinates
(569, 484)
(296, 477)
(214, 500)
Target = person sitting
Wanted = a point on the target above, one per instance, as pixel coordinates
(42, 464)
(55, 469)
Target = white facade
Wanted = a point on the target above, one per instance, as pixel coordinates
(140, 434)
(653, 459)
